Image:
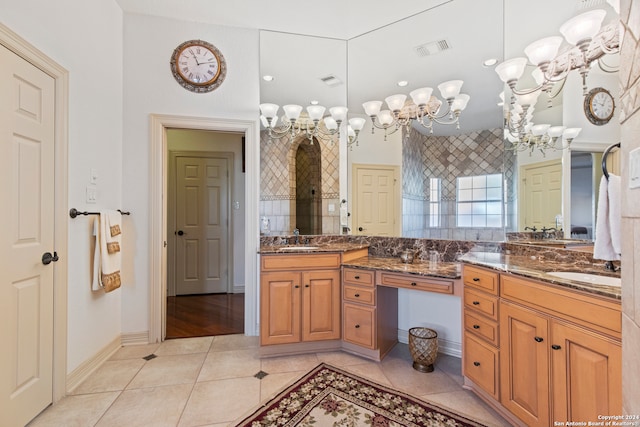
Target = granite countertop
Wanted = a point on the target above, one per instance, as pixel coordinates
(445, 270)
(537, 267)
(311, 248)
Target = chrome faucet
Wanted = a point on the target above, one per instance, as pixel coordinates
(546, 232)
(296, 234)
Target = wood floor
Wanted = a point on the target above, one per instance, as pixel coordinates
(205, 315)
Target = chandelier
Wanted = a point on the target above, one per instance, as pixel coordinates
(588, 43)
(423, 108)
(310, 124)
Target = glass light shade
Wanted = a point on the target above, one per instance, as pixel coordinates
(460, 102)
(571, 133)
(372, 108)
(385, 117)
(615, 4)
(518, 108)
(450, 89)
(538, 130)
(434, 105)
(395, 102)
(269, 110)
(512, 138)
(292, 111)
(264, 121)
(421, 96)
(543, 50)
(582, 27)
(528, 126)
(555, 131)
(528, 99)
(338, 113)
(330, 123)
(538, 76)
(511, 69)
(315, 112)
(350, 132)
(356, 123)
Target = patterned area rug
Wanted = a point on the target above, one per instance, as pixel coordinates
(328, 396)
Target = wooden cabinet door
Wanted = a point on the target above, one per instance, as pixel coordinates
(480, 364)
(321, 305)
(586, 374)
(280, 308)
(359, 325)
(524, 364)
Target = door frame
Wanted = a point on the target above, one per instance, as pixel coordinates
(171, 201)
(159, 123)
(355, 167)
(24, 49)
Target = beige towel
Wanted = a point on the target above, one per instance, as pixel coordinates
(107, 257)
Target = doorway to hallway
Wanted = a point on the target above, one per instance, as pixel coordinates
(205, 315)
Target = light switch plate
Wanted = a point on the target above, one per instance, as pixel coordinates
(93, 176)
(634, 168)
(92, 194)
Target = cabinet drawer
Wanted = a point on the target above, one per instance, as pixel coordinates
(356, 276)
(412, 281)
(300, 261)
(598, 313)
(481, 327)
(359, 325)
(481, 364)
(481, 279)
(481, 302)
(359, 294)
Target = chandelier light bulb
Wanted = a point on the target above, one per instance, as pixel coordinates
(315, 112)
(292, 111)
(511, 69)
(544, 50)
(421, 96)
(450, 89)
(372, 108)
(269, 110)
(339, 114)
(395, 102)
(583, 27)
(357, 123)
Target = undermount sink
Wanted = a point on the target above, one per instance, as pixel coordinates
(299, 248)
(587, 278)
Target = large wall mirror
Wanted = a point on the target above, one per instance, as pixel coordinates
(452, 183)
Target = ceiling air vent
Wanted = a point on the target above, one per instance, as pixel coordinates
(331, 80)
(432, 48)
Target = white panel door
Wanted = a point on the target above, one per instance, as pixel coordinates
(26, 233)
(542, 190)
(375, 201)
(202, 203)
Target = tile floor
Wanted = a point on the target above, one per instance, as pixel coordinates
(210, 382)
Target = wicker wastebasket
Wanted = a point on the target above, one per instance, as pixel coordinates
(423, 345)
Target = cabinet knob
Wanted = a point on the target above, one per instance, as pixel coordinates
(538, 339)
(296, 286)
(476, 303)
(356, 277)
(357, 295)
(476, 279)
(357, 326)
(556, 347)
(476, 363)
(414, 284)
(476, 326)
(306, 286)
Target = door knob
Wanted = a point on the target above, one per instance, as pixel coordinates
(47, 258)
(360, 229)
(180, 232)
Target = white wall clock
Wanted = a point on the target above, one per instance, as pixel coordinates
(198, 66)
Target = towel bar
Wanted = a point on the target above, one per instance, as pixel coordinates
(73, 212)
(604, 159)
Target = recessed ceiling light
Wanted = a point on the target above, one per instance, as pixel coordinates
(490, 62)
(403, 83)
(267, 78)
(314, 102)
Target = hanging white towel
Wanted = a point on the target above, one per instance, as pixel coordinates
(607, 245)
(107, 256)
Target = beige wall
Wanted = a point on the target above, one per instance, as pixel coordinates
(630, 119)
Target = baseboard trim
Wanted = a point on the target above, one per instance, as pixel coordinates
(450, 348)
(89, 366)
(135, 338)
(238, 289)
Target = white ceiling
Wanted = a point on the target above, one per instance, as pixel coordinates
(369, 45)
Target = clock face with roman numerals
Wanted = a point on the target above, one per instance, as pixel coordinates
(198, 66)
